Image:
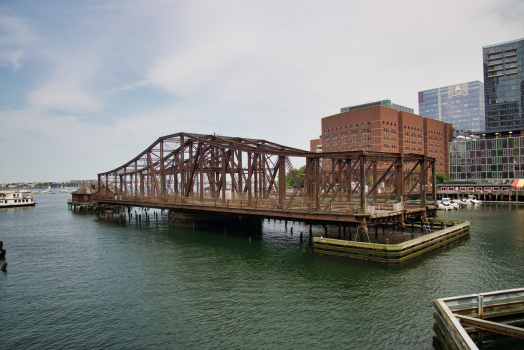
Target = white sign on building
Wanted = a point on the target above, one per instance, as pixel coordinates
(458, 91)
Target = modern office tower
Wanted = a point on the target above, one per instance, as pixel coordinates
(384, 129)
(504, 85)
(461, 105)
(493, 156)
(386, 103)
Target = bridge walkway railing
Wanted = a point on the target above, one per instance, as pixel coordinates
(292, 204)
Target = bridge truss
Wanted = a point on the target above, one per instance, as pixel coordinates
(240, 175)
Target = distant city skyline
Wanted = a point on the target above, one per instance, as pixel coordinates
(86, 86)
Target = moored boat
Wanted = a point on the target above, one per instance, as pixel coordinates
(474, 199)
(10, 199)
(447, 204)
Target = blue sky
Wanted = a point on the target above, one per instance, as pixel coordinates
(86, 86)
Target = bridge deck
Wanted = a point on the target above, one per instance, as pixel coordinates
(336, 211)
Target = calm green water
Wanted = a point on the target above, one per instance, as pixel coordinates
(79, 282)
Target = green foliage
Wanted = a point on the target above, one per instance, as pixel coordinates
(442, 177)
(369, 181)
(290, 181)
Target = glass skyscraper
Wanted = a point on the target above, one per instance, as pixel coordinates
(504, 85)
(461, 105)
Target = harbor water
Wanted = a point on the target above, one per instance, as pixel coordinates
(77, 281)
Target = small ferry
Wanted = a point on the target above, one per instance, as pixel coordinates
(10, 199)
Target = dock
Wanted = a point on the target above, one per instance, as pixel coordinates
(449, 232)
(464, 322)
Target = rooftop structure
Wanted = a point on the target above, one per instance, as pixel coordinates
(385, 103)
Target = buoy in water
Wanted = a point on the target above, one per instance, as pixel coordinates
(4, 267)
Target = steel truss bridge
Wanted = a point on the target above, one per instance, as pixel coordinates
(212, 173)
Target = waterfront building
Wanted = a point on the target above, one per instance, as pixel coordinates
(384, 129)
(84, 194)
(386, 103)
(504, 85)
(493, 156)
(316, 145)
(460, 104)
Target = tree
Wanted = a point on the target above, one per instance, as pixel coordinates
(290, 181)
(442, 177)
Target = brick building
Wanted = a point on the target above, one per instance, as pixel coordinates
(315, 145)
(384, 129)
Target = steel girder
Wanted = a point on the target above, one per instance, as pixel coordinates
(220, 168)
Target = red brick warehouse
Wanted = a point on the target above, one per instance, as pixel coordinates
(385, 129)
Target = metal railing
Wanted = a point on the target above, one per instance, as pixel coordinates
(290, 204)
(498, 303)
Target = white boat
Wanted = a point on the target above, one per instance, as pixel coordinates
(46, 191)
(10, 199)
(62, 190)
(447, 204)
(450, 206)
(464, 200)
(474, 199)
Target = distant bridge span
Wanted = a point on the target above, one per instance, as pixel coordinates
(211, 173)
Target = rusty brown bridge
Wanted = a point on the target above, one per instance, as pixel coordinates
(238, 177)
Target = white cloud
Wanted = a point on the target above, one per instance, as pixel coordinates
(261, 69)
(15, 36)
(65, 96)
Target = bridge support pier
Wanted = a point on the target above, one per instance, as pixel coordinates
(242, 223)
(362, 229)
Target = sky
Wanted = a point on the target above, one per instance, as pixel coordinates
(85, 86)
